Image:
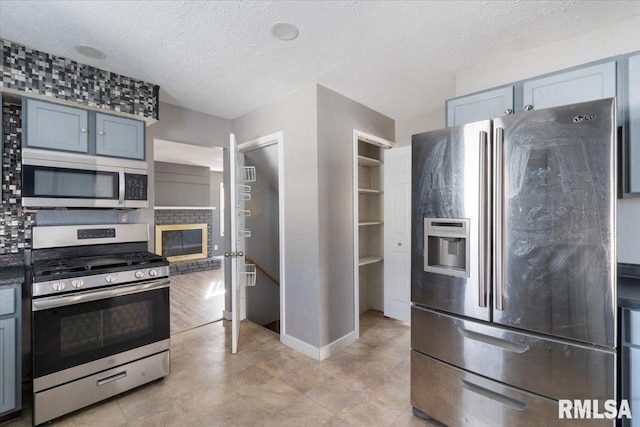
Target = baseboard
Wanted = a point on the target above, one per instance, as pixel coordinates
(301, 346)
(226, 315)
(319, 353)
(338, 344)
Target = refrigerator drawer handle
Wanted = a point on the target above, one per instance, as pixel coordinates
(497, 397)
(496, 342)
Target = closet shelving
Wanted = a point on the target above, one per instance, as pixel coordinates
(370, 225)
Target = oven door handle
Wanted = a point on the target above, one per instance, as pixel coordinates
(61, 301)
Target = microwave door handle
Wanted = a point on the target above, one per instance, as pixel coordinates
(121, 187)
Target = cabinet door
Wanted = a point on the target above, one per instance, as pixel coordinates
(56, 127)
(633, 143)
(480, 106)
(119, 137)
(582, 85)
(7, 365)
(634, 385)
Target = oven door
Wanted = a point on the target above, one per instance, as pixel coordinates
(78, 328)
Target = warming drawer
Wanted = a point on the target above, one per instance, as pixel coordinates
(460, 399)
(548, 367)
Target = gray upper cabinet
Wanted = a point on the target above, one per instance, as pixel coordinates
(633, 137)
(580, 85)
(480, 106)
(119, 137)
(56, 127)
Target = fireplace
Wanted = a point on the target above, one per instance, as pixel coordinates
(181, 242)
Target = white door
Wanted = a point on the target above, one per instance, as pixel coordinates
(397, 233)
(238, 214)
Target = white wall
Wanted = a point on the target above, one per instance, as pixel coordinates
(421, 123)
(620, 38)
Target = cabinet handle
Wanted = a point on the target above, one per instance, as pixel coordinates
(100, 132)
(508, 111)
(399, 243)
(83, 130)
(528, 107)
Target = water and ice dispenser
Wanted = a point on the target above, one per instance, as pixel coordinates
(446, 246)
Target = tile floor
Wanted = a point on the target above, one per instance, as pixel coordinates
(268, 384)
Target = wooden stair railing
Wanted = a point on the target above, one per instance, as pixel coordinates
(262, 270)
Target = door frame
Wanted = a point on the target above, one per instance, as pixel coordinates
(263, 142)
(381, 142)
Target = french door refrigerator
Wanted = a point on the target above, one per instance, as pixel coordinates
(513, 267)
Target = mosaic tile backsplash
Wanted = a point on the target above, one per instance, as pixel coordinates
(15, 225)
(29, 70)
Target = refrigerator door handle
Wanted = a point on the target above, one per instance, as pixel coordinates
(485, 218)
(497, 217)
(513, 347)
(497, 397)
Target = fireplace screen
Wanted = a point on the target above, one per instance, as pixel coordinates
(182, 242)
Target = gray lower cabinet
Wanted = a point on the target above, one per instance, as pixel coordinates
(480, 106)
(10, 365)
(581, 85)
(119, 137)
(633, 136)
(630, 375)
(56, 127)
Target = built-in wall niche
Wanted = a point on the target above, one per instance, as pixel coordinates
(181, 242)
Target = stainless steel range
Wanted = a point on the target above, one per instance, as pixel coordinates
(100, 322)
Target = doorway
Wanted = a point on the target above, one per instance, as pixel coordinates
(263, 245)
(261, 232)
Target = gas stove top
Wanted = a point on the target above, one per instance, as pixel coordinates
(78, 258)
(73, 267)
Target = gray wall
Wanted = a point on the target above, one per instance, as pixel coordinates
(263, 300)
(295, 115)
(182, 185)
(337, 117)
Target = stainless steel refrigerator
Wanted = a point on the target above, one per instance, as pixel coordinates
(513, 267)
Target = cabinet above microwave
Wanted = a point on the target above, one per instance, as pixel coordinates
(59, 127)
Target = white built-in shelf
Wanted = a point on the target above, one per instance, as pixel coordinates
(368, 161)
(368, 191)
(370, 223)
(369, 260)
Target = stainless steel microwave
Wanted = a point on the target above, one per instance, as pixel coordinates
(58, 179)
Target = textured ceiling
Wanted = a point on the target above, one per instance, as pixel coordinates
(398, 58)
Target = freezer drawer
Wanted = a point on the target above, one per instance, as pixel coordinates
(552, 368)
(458, 398)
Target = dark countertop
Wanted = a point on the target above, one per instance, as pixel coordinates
(11, 269)
(629, 292)
(629, 286)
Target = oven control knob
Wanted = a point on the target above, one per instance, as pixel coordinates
(78, 283)
(139, 274)
(153, 272)
(58, 286)
(111, 278)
